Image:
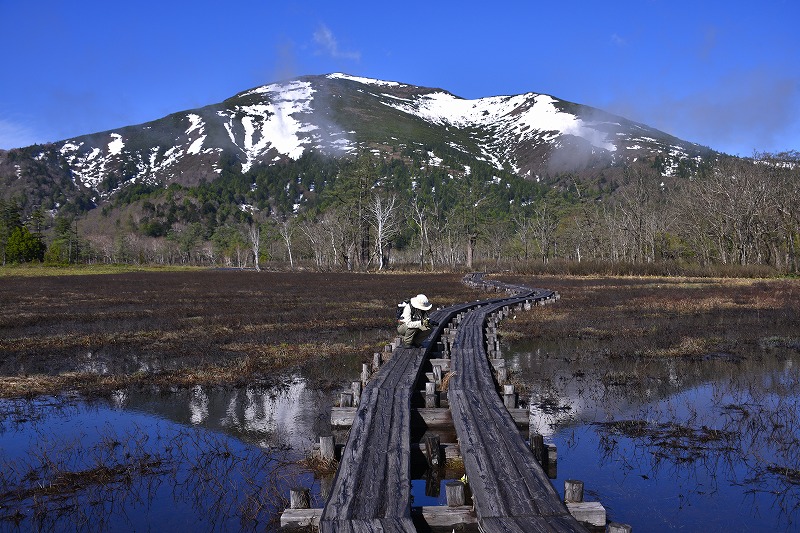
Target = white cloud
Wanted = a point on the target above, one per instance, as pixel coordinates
(14, 135)
(617, 40)
(325, 38)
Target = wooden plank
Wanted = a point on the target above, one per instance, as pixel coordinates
(368, 525)
(507, 483)
(592, 513)
(374, 477)
(371, 489)
(432, 515)
(431, 417)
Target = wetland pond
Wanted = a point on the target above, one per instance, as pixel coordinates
(664, 444)
(672, 444)
(200, 459)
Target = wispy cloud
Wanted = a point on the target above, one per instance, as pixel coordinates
(325, 38)
(15, 135)
(740, 112)
(617, 40)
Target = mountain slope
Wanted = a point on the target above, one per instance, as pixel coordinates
(532, 135)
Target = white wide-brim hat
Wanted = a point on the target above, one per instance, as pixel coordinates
(420, 301)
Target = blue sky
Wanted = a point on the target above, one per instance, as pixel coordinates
(724, 74)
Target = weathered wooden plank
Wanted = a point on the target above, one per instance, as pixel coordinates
(589, 512)
(530, 524)
(371, 525)
(431, 417)
(380, 473)
(510, 491)
(432, 515)
(499, 486)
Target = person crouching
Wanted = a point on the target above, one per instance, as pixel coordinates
(413, 325)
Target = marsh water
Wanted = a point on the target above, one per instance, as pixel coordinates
(669, 444)
(203, 459)
(665, 445)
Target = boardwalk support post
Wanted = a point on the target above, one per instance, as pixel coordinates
(616, 527)
(346, 399)
(327, 448)
(552, 461)
(299, 498)
(509, 397)
(573, 491)
(537, 447)
(356, 388)
(433, 451)
(431, 399)
(455, 493)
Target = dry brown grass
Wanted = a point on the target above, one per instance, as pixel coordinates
(96, 333)
(652, 316)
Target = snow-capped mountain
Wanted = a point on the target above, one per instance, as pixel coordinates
(533, 135)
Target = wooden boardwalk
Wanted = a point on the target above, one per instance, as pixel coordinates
(371, 489)
(510, 490)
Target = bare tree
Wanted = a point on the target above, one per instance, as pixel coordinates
(254, 234)
(543, 225)
(286, 230)
(383, 218)
(316, 240)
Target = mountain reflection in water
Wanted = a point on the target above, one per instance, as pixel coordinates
(672, 444)
(202, 459)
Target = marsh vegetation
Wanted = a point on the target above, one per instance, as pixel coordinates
(190, 399)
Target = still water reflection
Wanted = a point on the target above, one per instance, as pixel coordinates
(665, 445)
(204, 459)
(673, 445)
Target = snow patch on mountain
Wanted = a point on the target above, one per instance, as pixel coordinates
(116, 145)
(519, 116)
(365, 81)
(196, 123)
(273, 125)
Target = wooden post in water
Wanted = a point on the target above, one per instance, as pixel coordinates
(325, 485)
(346, 399)
(431, 399)
(433, 451)
(356, 388)
(299, 498)
(616, 527)
(499, 366)
(376, 361)
(573, 491)
(537, 446)
(364, 373)
(437, 374)
(327, 448)
(509, 397)
(455, 493)
(552, 461)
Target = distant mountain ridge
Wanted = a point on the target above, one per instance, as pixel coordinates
(532, 135)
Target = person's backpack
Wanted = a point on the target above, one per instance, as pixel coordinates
(400, 308)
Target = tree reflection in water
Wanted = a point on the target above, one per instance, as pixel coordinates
(673, 444)
(204, 459)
